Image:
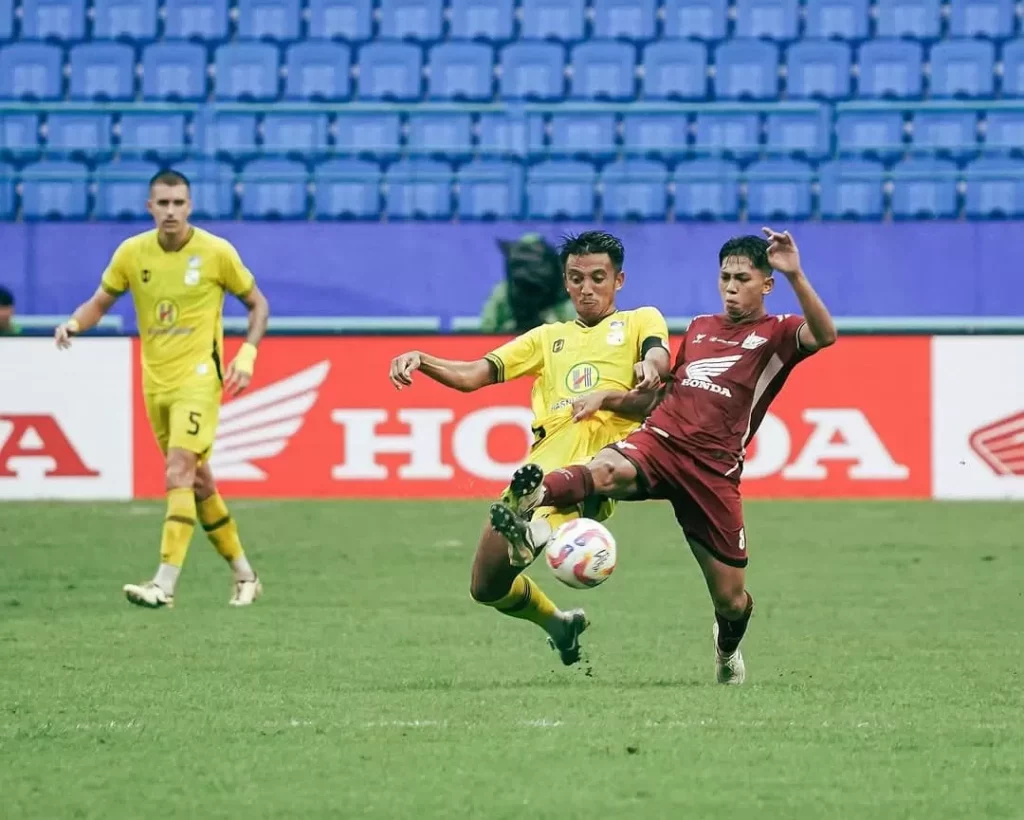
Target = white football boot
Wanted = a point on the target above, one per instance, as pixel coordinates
(148, 595)
(246, 592)
(729, 669)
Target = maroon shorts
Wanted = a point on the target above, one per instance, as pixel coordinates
(707, 504)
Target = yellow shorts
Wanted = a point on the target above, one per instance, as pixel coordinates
(185, 419)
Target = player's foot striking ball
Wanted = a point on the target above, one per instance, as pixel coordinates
(690, 449)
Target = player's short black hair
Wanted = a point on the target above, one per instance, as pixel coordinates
(168, 176)
(754, 248)
(6, 297)
(592, 242)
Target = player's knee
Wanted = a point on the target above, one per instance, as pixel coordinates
(486, 590)
(612, 474)
(203, 485)
(180, 471)
(730, 602)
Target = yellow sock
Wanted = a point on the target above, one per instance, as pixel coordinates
(220, 527)
(527, 601)
(178, 526)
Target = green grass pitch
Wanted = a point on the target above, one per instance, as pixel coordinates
(884, 671)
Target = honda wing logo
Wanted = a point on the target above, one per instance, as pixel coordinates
(261, 424)
(1001, 445)
(701, 372)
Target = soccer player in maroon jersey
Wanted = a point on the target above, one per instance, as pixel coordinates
(690, 448)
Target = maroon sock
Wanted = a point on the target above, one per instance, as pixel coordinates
(568, 486)
(730, 633)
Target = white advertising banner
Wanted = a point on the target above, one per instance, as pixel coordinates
(978, 417)
(65, 419)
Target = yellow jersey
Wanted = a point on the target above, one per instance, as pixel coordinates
(570, 359)
(179, 299)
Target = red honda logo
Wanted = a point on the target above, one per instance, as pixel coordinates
(1001, 445)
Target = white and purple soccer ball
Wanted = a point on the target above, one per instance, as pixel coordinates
(581, 553)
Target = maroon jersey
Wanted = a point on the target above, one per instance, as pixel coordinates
(724, 377)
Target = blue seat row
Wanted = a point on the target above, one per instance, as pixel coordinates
(668, 69)
(425, 20)
(632, 189)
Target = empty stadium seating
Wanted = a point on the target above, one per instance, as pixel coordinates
(487, 109)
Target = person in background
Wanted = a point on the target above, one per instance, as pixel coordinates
(7, 325)
(533, 291)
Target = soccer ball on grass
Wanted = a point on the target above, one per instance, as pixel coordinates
(581, 553)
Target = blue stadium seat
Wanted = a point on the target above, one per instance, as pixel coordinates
(269, 19)
(808, 135)
(558, 19)
(635, 189)
(533, 70)
(298, 135)
(411, 19)
(79, 135)
(962, 68)
(174, 71)
(890, 68)
(924, 188)
(561, 189)
(697, 19)
(995, 188)
(419, 189)
(1004, 132)
(603, 70)
(274, 189)
(747, 69)
(627, 19)
(490, 189)
(53, 19)
(875, 133)
(852, 189)
(842, 19)
(318, 71)
(952, 133)
(203, 19)
(7, 191)
(773, 19)
(19, 136)
(461, 71)
(482, 19)
(921, 19)
(502, 135)
(579, 135)
(1013, 69)
(54, 189)
(31, 71)
(213, 188)
(778, 189)
(350, 20)
(819, 69)
(707, 189)
(735, 135)
(226, 136)
(122, 188)
(984, 18)
(347, 189)
(675, 70)
(102, 71)
(6, 19)
(390, 71)
(655, 134)
(448, 135)
(375, 135)
(131, 19)
(246, 71)
(158, 136)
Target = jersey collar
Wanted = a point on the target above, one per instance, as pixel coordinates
(585, 326)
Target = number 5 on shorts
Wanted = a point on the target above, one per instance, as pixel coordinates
(193, 420)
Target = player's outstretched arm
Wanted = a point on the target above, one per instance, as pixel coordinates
(86, 316)
(784, 256)
(459, 375)
(240, 371)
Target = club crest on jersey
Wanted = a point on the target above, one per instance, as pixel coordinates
(616, 333)
(753, 341)
(558, 345)
(165, 313)
(192, 276)
(700, 373)
(582, 377)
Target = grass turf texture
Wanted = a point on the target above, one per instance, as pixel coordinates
(884, 671)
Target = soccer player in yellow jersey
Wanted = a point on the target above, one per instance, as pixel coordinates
(593, 380)
(178, 275)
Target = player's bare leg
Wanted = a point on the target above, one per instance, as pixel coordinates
(497, 583)
(733, 607)
(221, 529)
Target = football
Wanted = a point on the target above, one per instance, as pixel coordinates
(581, 553)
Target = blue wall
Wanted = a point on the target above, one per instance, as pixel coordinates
(417, 269)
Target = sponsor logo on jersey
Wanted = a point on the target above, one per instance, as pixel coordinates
(721, 341)
(1001, 445)
(753, 342)
(166, 313)
(699, 338)
(582, 377)
(145, 276)
(700, 373)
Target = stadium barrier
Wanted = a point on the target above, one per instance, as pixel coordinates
(909, 416)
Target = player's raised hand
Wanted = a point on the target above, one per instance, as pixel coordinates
(647, 376)
(585, 406)
(402, 368)
(783, 254)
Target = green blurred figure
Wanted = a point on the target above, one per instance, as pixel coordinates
(7, 325)
(533, 291)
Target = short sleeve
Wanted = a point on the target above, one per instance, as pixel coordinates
(787, 342)
(235, 276)
(522, 356)
(652, 330)
(115, 279)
